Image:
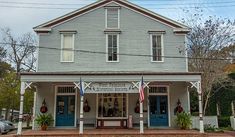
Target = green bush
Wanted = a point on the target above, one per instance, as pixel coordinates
(44, 119)
(183, 120)
(224, 121)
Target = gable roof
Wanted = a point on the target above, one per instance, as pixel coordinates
(46, 27)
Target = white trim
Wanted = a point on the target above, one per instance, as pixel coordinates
(119, 18)
(148, 108)
(75, 111)
(169, 108)
(106, 14)
(37, 52)
(188, 94)
(42, 29)
(186, 52)
(107, 55)
(151, 47)
(61, 51)
(106, 17)
(34, 108)
(180, 29)
(55, 99)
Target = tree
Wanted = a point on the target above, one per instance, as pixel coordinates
(20, 51)
(206, 40)
(9, 92)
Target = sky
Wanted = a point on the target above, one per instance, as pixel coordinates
(22, 15)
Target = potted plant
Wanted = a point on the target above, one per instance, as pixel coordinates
(183, 120)
(44, 120)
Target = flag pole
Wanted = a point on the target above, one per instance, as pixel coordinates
(81, 107)
(141, 89)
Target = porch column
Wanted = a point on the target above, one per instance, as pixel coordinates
(22, 91)
(81, 116)
(199, 90)
(34, 108)
(141, 118)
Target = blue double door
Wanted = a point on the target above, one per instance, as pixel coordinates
(158, 110)
(65, 110)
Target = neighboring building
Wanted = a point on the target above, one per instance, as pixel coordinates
(110, 45)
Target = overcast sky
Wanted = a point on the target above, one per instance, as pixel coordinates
(22, 15)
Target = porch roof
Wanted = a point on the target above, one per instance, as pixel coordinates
(102, 76)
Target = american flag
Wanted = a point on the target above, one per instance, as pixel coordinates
(81, 88)
(141, 89)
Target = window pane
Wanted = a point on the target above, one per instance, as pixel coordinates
(110, 42)
(67, 55)
(67, 47)
(67, 41)
(112, 48)
(111, 105)
(159, 41)
(156, 48)
(154, 41)
(114, 40)
(112, 18)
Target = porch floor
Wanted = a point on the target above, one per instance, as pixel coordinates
(122, 133)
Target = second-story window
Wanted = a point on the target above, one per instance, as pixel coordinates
(157, 48)
(112, 47)
(112, 18)
(67, 46)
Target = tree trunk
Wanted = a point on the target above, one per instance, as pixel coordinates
(7, 114)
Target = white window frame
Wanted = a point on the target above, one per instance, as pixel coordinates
(107, 46)
(106, 17)
(151, 46)
(62, 42)
(127, 108)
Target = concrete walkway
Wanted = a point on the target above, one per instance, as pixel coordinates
(120, 133)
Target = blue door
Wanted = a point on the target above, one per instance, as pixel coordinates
(65, 109)
(158, 110)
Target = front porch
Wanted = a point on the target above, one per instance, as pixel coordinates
(116, 90)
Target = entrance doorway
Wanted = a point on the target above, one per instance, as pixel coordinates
(65, 110)
(158, 105)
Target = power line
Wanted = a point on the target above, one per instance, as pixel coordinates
(124, 54)
(62, 8)
(72, 4)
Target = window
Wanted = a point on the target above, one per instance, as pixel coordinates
(158, 90)
(112, 105)
(157, 48)
(112, 18)
(67, 46)
(112, 47)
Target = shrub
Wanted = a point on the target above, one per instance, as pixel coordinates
(183, 120)
(224, 121)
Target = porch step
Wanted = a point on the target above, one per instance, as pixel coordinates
(113, 133)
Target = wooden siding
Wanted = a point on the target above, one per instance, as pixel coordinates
(90, 36)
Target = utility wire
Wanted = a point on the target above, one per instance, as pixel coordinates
(125, 54)
(150, 4)
(62, 8)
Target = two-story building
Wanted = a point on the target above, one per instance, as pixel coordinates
(110, 45)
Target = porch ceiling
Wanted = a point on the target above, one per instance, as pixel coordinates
(116, 76)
